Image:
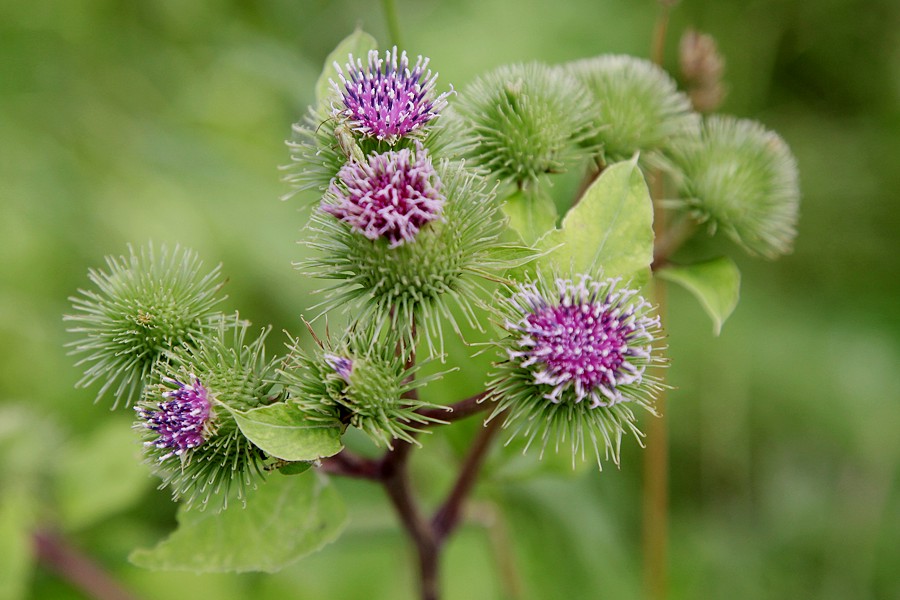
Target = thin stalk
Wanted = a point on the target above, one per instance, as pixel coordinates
(656, 457)
(447, 516)
(459, 410)
(397, 485)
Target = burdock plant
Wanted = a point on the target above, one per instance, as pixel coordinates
(430, 219)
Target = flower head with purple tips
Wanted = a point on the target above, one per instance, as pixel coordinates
(391, 196)
(386, 99)
(181, 422)
(590, 338)
(577, 363)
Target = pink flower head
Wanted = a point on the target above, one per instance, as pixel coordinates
(386, 99)
(591, 338)
(391, 196)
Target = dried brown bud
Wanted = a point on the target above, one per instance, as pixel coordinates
(702, 67)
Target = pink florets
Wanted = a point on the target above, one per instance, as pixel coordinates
(392, 196)
(387, 100)
(592, 339)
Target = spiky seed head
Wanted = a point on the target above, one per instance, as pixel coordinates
(527, 119)
(637, 106)
(144, 304)
(394, 286)
(391, 195)
(742, 178)
(361, 381)
(387, 99)
(577, 360)
(190, 436)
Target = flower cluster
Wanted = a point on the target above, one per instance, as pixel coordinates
(386, 99)
(391, 196)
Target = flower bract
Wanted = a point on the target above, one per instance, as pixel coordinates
(393, 285)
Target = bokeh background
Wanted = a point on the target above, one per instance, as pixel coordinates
(165, 119)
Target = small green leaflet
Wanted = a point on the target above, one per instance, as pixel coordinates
(283, 431)
(358, 44)
(285, 519)
(610, 229)
(715, 283)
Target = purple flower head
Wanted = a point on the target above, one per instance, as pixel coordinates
(591, 338)
(390, 196)
(342, 365)
(181, 421)
(386, 99)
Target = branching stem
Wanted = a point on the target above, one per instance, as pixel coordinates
(392, 472)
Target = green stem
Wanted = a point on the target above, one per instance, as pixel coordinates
(393, 23)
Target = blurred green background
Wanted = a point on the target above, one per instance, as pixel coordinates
(165, 120)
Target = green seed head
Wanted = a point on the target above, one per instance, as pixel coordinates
(742, 178)
(527, 120)
(361, 381)
(145, 304)
(637, 107)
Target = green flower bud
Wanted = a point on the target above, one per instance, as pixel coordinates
(742, 178)
(361, 381)
(637, 106)
(190, 436)
(526, 120)
(146, 304)
(441, 261)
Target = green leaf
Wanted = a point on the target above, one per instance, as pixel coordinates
(531, 215)
(285, 519)
(294, 468)
(108, 460)
(715, 283)
(283, 431)
(358, 44)
(17, 508)
(611, 228)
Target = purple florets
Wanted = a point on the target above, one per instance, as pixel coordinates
(592, 339)
(180, 422)
(342, 365)
(391, 196)
(387, 100)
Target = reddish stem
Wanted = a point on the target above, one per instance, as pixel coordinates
(67, 561)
